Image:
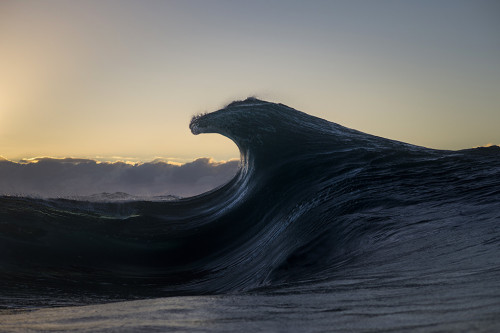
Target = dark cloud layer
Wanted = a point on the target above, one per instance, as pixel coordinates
(50, 177)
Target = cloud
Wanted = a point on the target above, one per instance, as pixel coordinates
(488, 145)
(70, 177)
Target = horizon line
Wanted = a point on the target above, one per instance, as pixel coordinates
(116, 159)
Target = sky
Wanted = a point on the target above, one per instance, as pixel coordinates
(120, 80)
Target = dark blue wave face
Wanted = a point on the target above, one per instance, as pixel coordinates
(312, 201)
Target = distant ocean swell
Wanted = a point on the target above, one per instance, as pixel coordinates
(312, 201)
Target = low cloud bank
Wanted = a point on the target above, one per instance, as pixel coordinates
(50, 177)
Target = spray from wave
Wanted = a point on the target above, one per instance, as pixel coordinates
(87, 179)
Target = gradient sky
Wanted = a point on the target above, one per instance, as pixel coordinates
(122, 78)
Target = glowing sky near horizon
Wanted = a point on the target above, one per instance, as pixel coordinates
(123, 78)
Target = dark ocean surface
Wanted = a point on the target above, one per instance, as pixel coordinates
(323, 228)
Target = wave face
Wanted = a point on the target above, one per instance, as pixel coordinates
(313, 201)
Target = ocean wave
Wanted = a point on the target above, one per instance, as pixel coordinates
(312, 200)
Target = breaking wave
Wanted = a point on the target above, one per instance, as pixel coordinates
(312, 201)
